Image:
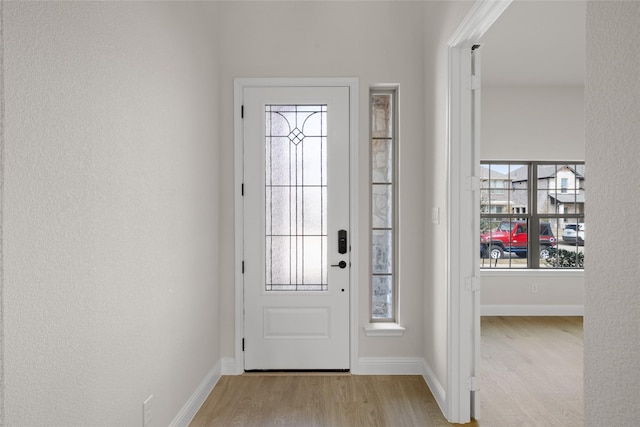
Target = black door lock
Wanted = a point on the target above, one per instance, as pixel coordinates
(342, 242)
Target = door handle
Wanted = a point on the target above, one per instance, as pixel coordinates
(341, 264)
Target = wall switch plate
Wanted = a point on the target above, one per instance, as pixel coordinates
(435, 215)
(147, 414)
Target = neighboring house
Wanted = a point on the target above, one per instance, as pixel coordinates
(494, 197)
(560, 190)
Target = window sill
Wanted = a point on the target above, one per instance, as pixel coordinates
(530, 272)
(384, 330)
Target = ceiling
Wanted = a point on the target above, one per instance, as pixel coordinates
(536, 43)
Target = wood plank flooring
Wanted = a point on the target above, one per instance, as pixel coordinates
(532, 371)
(531, 376)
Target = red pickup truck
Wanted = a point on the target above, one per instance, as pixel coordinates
(513, 237)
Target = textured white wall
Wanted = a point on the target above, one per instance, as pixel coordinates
(533, 123)
(110, 210)
(612, 283)
(377, 42)
(441, 21)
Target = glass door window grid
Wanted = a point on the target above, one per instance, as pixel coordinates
(295, 197)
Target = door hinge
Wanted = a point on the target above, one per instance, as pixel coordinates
(242, 344)
(475, 83)
(473, 183)
(472, 384)
(472, 284)
(242, 112)
(242, 267)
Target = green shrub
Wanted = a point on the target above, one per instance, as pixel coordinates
(562, 258)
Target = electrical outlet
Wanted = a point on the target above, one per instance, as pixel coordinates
(534, 288)
(147, 413)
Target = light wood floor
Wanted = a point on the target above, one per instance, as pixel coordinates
(532, 371)
(531, 376)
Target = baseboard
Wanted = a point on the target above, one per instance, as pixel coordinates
(389, 366)
(437, 390)
(532, 310)
(230, 367)
(190, 409)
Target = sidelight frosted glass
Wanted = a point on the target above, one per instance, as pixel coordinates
(381, 161)
(382, 289)
(383, 146)
(382, 206)
(381, 251)
(381, 115)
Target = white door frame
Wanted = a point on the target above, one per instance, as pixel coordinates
(463, 248)
(239, 85)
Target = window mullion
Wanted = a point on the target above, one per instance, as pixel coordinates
(534, 221)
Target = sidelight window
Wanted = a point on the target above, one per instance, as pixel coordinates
(383, 146)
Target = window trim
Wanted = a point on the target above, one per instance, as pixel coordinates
(390, 329)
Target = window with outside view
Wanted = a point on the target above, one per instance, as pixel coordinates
(543, 199)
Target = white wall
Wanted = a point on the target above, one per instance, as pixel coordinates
(533, 123)
(441, 21)
(377, 42)
(110, 210)
(612, 285)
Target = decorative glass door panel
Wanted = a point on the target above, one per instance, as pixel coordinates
(296, 228)
(296, 197)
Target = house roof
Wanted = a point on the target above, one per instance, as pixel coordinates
(487, 173)
(568, 198)
(546, 171)
(549, 171)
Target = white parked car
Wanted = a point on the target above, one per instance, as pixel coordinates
(573, 233)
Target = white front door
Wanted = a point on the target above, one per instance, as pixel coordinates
(296, 228)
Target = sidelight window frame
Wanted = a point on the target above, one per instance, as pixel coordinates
(391, 183)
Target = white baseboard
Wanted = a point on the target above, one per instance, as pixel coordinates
(437, 390)
(190, 409)
(231, 367)
(389, 366)
(532, 310)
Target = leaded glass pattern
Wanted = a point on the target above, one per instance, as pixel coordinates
(296, 197)
(382, 205)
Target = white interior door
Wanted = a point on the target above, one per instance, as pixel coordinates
(296, 228)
